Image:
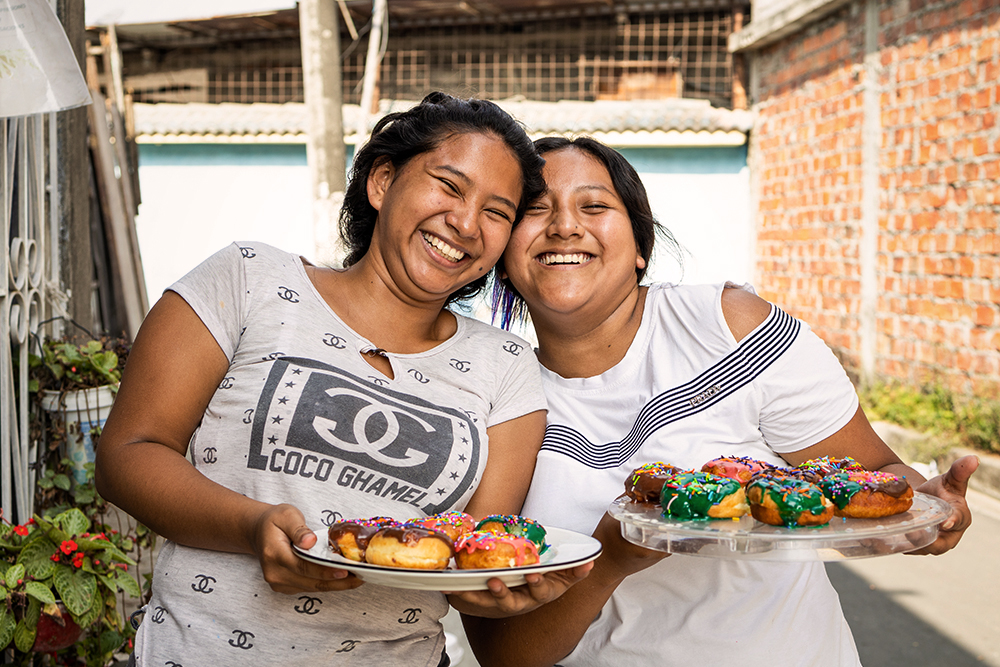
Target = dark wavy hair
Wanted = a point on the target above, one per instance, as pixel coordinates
(508, 305)
(401, 136)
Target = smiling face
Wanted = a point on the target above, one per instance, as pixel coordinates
(574, 252)
(445, 216)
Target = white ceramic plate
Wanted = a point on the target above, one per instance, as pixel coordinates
(566, 549)
(747, 538)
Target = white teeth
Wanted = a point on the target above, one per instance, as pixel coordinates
(450, 253)
(554, 258)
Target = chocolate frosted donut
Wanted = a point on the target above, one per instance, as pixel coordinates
(646, 482)
(410, 546)
(350, 538)
(787, 500)
(865, 494)
(829, 465)
(701, 495)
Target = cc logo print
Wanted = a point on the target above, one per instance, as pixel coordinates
(333, 340)
(248, 253)
(459, 365)
(348, 645)
(379, 381)
(418, 376)
(326, 429)
(330, 517)
(242, 640)
(203, 583)
(210, 455)
(248, 416)
(171, 663)
(273, 356)
(412, 616)
(227, 383)
(513, 348)
(159, 615)
(309, 605)
(288, 294)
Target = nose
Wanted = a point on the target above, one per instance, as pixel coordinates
(564, 224)
(464, 220)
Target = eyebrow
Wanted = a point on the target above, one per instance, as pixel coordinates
(465, 179)
(587, 188)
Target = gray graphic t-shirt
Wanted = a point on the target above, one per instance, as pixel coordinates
(301, 418)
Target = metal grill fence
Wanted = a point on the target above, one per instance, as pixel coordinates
(635, 56)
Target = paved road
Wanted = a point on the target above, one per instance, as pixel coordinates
(912, 611)
(929, 611)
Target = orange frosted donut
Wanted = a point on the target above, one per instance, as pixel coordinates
(866, 494)
(492, 550)
(646, 481)
(410, 546)
(350, 538)
(740, 468)
(455, 525)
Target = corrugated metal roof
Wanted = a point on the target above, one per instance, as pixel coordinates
(289, 122)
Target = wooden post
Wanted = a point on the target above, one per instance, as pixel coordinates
(75, 262)
(320, 37)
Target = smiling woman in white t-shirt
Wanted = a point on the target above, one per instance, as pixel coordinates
(681, 374)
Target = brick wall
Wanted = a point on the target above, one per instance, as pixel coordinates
(938, 257)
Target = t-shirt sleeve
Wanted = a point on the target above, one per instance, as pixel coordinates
(216, 290)
(519, 388)
(805, 395)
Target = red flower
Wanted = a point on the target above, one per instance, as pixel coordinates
(67, 547)
(31, 522)
(78, 559)
(54, 557)
(21, 530)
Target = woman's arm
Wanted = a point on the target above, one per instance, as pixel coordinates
(549, 633)
(173, 370)
(513, 447)
(744, 312)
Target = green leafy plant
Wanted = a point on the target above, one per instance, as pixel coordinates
(973, 422)
(55, 571)
(63, 365)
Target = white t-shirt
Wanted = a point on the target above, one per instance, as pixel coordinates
(686, 393)
(302, 418)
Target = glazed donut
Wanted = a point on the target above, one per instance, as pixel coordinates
(787, 500)
(646, 482)
(866, 494)
(518, 526)
(701, 495)
(482, 550)
(829, 465)
(411, 547)
(455, 525)
(740, 468)
(350, 538)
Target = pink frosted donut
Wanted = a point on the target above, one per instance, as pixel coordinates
(740, 468)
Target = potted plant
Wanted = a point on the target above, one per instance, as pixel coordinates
(77, 382)
(59, 579)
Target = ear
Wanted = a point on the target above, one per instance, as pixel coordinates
(640, 263)
(379, 179)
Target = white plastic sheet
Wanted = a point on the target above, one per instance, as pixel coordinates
(38, 71)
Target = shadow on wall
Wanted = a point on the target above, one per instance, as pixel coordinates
(887, 634)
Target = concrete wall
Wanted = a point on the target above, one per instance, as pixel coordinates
(934, 69)
(198, 197)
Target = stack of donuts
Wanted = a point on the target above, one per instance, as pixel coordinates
(432, 542)
(807, 495)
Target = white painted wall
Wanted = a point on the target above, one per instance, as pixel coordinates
(191, 210)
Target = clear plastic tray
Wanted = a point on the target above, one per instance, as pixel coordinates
(747, 538)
